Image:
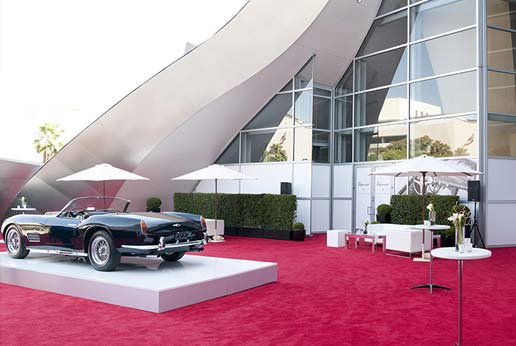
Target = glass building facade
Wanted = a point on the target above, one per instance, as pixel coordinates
(435, 77)
(411, 90)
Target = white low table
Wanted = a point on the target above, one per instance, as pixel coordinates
(450, 254)
(336, 237)
(431, 228)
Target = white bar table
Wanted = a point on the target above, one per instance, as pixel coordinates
(450, 254)
(430, 228)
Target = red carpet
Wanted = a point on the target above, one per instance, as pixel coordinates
(324, 296)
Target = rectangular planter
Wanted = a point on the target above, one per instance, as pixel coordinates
(250, 232)
(257, 233)
(280, 235)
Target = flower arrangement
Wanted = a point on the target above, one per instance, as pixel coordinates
(366, 223)
(24, 202)
(459, 217)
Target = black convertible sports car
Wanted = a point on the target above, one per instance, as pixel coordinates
(101, 229)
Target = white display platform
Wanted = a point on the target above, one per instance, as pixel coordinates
(149, 284)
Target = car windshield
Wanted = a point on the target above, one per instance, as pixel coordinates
(97, 203)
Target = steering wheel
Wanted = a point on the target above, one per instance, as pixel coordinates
(79, 214)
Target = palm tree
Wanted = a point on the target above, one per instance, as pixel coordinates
(48, 142)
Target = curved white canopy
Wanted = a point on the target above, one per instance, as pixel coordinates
(424, 165)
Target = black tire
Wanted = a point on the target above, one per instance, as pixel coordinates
(14, 243)
(102, 253)
(173, 257)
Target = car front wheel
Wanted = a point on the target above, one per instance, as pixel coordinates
(14, 243)
(174, 256)
(102, 253)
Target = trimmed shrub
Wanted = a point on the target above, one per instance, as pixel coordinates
(153, 204)
(299, 226)
(406, 209)
(265, 211)
(384, 209)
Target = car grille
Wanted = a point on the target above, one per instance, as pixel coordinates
(33, 237)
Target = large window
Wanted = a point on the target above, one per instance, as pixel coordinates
(278, 112)
(321, 146)
(411, 89)
(501, 92)
(343, 112)
(303, 107)
(343, 147)
(381, 106)
(440, 16)
(381, 69)
(322, 112)
(380, 143)
(501, 135)
(345, 85)
(416, 96)
(444, 137)
(443, 55)
(267, 145)
(386, 32)
(501, 77)
(500, 49)
(447, 95)
(230, 155)
(295, 125)
(391, 5)
(501, 13)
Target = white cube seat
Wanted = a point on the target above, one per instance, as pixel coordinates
(336, 237)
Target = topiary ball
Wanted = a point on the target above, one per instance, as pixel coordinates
(153, 203)
(384, 209)
(298, 226)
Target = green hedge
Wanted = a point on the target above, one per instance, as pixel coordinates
(267, 211)
(406, 209)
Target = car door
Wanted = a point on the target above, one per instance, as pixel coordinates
(63, 231)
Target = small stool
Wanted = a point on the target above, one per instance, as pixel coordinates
(336, 237)
(437, 239)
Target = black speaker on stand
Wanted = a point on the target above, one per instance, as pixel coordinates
(474, 196)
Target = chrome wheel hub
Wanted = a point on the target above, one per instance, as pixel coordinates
(100, 251)
(13, 241)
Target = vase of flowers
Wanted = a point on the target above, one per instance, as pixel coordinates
(458, 218)
(431, 213)
(366, 223)
(24, 202)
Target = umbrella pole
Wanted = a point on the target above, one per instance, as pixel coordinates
(216, 237)
(423, 207)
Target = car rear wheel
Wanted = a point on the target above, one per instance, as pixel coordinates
(14, 243)
(175, 256)
(102, 253)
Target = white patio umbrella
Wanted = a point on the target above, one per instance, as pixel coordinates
(102, 172)
(216, 173)
(424, 166)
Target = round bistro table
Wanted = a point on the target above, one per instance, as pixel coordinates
(449, 253)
